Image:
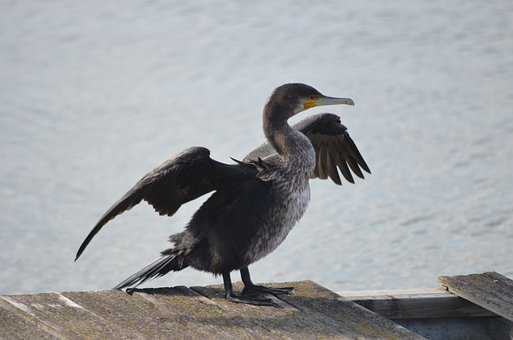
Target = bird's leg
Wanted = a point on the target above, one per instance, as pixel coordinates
(252, 289)
(230, 296)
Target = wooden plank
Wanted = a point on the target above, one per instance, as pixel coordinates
(64, 317)
(416, 304)
(486, 328)
(490, 290)
(352, 319)
(313, 312)
(166, 313)
(15, 323)
(182, 313)
(267, 322)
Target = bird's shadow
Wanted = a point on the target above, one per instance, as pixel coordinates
(301, 316)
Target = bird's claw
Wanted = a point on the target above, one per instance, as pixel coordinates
(131, 291)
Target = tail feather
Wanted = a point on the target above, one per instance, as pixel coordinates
(159, 267)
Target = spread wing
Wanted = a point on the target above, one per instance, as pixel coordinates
(181, 179)
(333, 146)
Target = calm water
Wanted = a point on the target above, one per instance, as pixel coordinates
(92, 95)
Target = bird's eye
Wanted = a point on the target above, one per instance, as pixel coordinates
(312, 97)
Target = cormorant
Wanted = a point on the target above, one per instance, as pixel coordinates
(255, 203)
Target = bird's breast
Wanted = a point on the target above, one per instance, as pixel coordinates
(290, 204)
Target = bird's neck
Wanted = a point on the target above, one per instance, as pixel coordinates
(294, 147)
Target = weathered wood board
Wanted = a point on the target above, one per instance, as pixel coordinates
(416, 304)
(314, 312)
(14, 324)
(490, 290)
(180, 312)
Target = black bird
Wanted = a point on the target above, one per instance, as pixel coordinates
(255, 203)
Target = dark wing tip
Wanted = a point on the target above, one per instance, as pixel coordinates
(353, 149)
(88, 239)
(361, 162)
(344, 169)
(353, 164)
(131, 198)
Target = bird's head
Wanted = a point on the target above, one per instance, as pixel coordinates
(294, 98)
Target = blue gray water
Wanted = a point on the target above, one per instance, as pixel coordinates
(93, 94)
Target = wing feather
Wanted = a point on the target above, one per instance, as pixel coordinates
(344, 169)
(333, 145)
(180, 179)
(322, 160)
(332, 168)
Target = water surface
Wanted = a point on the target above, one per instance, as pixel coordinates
(94, 94)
